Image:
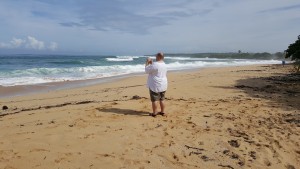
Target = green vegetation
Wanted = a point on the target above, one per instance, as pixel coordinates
(293, 52)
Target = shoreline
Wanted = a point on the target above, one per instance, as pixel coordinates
(23, 90)
(232, 117)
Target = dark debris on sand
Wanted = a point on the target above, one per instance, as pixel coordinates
(136, 97)
(290, 166)
(292, 118)
(234, 143)
(4, 107)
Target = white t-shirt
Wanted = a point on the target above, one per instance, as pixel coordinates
(157, 79)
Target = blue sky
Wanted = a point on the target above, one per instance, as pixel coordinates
(135, 27)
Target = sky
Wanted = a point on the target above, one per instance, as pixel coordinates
(136, 27)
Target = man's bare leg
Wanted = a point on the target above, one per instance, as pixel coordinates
(162, 107)
(154, 107)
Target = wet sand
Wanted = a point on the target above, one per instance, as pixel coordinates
(235, 117)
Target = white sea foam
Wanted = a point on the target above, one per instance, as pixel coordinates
(123, 58)
(119, 59)
(45, 75)
(133, 57)
(182, 58)
(200, 64)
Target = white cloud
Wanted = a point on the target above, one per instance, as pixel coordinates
(34, 43)
(30, 43)
(14, 43)
(53, 46)
(17, 42)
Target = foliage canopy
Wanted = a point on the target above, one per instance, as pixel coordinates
(293, 52)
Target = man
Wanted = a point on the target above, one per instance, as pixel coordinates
(157, 83)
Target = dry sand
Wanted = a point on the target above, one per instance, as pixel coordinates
(236, 117)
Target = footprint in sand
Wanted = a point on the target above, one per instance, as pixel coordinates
(86, 136)
(59, 160)
(267, 162)
(104, 155)
(39, 150)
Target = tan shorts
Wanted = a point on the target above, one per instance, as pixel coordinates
(160, 96)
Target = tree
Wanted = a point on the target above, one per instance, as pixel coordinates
(293, 52)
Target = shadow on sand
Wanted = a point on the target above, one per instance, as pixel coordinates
(123, 111)
(283, 90)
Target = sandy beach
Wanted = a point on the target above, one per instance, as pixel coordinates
(232, 117)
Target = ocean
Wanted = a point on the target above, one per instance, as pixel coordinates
(37, 69)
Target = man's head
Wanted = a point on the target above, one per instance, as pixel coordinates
(159, 56)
